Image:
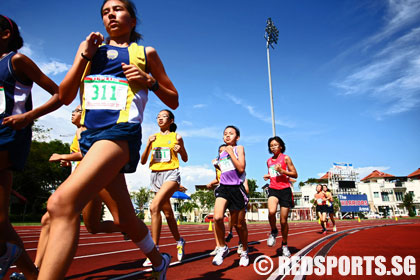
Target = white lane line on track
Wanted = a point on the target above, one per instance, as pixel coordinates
(137, 273)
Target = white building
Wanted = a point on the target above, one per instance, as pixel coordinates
(385, 192)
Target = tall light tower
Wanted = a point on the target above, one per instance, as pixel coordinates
(271, 35)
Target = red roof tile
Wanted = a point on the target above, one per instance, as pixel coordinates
(325, 176)
(377, 174)
(414, 174)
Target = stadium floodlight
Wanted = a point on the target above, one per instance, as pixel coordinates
(271, 36)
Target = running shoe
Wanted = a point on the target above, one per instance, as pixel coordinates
(214, 252)
(244, 261)
(221, 253)
(324, 231)
(334, 228)
(271, 241)
(180, 246)
(229, 237)
(240, 248)
(17, 276)
(161, 275)
(12, 253)
(147, 263)
(285, 251)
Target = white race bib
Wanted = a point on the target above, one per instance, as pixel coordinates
(161, 154)
(2, 100)
(273, 172)
(226, 164)
(105, 92)
(319, 200)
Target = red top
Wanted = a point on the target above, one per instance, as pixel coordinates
(278, 181)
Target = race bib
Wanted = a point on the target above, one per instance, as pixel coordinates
(273, 172)
(226, 164)
(161, 154)
(2, 100)
(319, 200)
(105, 92)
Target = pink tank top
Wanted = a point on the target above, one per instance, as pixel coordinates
(278, 181)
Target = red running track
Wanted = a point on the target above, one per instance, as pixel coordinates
(108, 256)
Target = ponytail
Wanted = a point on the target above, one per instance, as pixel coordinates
(16, 41)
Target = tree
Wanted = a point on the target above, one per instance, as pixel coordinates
(39, 177)
(205, 200)
(252, 185)
(141, 199)
(185, 207)
(408, 203)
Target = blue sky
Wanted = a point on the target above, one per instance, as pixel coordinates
(345, 77)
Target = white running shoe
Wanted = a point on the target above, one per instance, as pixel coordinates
(285, 251)
(221, 253)
(271, 241)
(12, 253)
(334, 228)
(244, 261)
(214, 252)
(161, 275)
(240, 249)
(180, 246)
(147, 263)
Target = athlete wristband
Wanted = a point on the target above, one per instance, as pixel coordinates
(85, 57)
(155, 86)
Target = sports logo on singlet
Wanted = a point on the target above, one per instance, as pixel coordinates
(226, 164)
(112, 54)
(273, 172)
(105, 92)
(2, 100)
(161, 154)
(319, 201)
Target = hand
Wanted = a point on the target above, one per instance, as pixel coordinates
(55, 157)
(209, 186)
(266, 177)
(279, 169)
(152, 138)
(137, 76)
(91, 44)
(177, 148)
(229, 150)
(17, 122)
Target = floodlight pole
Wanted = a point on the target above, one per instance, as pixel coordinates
(271, 90)
(271, 35)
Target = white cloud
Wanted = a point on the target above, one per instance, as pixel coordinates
(203, 132)
(254, 112)
(198, 106)
(54, 67)
(364, 171)
(389, 75)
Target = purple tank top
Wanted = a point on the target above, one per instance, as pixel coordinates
(229, 174)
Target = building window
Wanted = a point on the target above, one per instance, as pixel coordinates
(399, 196)
(411, 193)
(375, 195)
(306, 198)
(176, 206)
(385, 196)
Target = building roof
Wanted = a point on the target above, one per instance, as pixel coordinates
(377, 174)
(325, 176)
(415, 174)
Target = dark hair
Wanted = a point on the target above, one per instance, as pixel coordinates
(238, 133)
(16, 41)
(131, 8)
(328, 190)
(172, 127)
(218, 155)
(278, 140)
